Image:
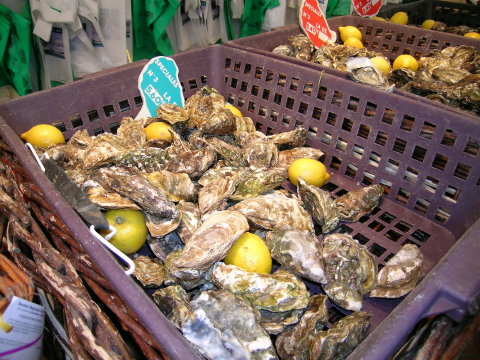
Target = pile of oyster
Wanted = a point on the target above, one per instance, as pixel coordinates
(216, 180)
(456, 30)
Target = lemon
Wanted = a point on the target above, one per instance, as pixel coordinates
(473, 35)
(378, 18)
(250, 253)
(399, 18)
(354, 42)
(131, 230)
(43, 135)
(428, 24)
(234, 110)
(381, 64)
(159, 131)
(349, 32)
(405, 61)
(310, 170)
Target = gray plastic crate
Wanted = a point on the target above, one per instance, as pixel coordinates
(426, 158)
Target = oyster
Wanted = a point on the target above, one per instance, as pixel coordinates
(131, 131)
(202, 104)
(160, 226)
(164, 245)
(285, 50)
(350, 270)
(229, 327)
(172, 113)
(109, 200)
(138, 189)
(190, 220)
(298, 250)
(231, 154)
(173, 280)
(275, 209)
(357, 203)
(277, 292)
(220, 122)
(175, 186)
(149, 272)
(400, 274)
(103, 150)
(276, 322)
(213, 195)
(335, 55)
(287, 157)
(296, 339)
(258, 182)
(341, 339)
(361, 69)
(303, 46)
(146, 160)
(194, 162)
(290, 139)
(174, 303)
(258, 151)
(319, 204)
(244, 124)
(208, 244)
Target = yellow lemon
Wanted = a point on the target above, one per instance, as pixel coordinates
(381, 64)
(159, 131)
(250, 253)
(378, 18)
(405, 61)
(43, 135)
(310, 170)
(428, 24)
(473, 35)
(354, 42)
(349, 32)
(399, 18)
(234, 110)
(131, 230)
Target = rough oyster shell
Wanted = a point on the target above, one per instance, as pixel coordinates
(245, 124)
(297, 250)
(172, 113)
(341, 339)
(190, 220)
(208, 244)
(158, 227)
(220, 122)
(258, 182)
(164, 245)
(147, 159)
(173, 302)
(213, 195)
(258, 151)
(274, 209)
(285, 50)
(229, 326)
(175, 186)
(276, 322)
(149, 272)
(131, 131)
(231, 154)
(109, 200)
(103, 150)
(401, 273)
(296, 339)
(203, 103)
(290, 139)
(319, 204)
(287, 157)
(357, 203)
(194, 162)
(350, 270)
(278, 292)
(361, 69)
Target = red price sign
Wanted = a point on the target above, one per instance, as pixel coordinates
(314, 24)
(367, 7)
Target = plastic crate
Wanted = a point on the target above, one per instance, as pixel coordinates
(389, 39)
(450, 13)
(426, 158)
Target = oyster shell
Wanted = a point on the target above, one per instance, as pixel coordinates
(158, 227)
(258, 182)
(164, 245)
(274, 209)
(341, 339)
(149, 272)
(287, 157)
(231, 154)
(103, 150)
(278, 292)
(229, 327)
(190, 220)
(146, 160)
(298, 250)
(208, 244)
(194, 162)
(361, 69)
(220, 122)
(202, 104)
(213, 195)
(131, 131)
(258, 151)
(172, 113)
(357, 203)
(138, 189)
(109, 200)
(175, 186)
(244, 124)
(173, 302)
(350, 270)
(285, 50)
(289, 139)
(276, 322)
(296, 339)
(400, 274)
(319, 204)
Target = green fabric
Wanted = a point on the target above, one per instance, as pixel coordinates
(15, 44)
(150, 20)
(338, 8)
(253, 15)
(228, 19)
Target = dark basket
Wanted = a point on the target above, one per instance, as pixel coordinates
(450, 13)
(425, 157)
(389, 39)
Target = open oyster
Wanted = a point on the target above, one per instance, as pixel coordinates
(275, 209)
(341, 339)
(277, 292)
(229, 327)
(208, 244)
(401, 273)
(149, 272)
(296, 339)
(350, 270)
(319, 204)
(298, 250)
(357, 203)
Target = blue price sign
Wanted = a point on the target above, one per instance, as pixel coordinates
(158, 84)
